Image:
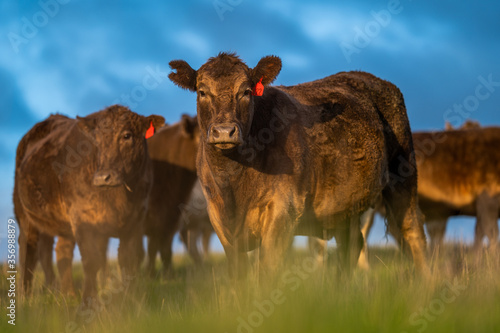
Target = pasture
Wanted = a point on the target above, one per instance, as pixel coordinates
(463, 295)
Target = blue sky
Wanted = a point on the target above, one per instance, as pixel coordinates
(76, 57)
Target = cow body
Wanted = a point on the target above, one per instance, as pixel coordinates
(460, 177)
(326, 153)
(85, 180)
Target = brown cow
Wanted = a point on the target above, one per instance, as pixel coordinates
(273, 165)
(85, 180)
(176, 143)
(456, 177)
(459, 176)
(173, 153)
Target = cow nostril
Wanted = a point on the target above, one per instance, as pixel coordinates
(215, 133)
(232, 132)
(107, 178)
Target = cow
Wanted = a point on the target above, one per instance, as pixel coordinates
(457, 176)
(306, 159)
(170, 147)
(173, 154)
(85, 180)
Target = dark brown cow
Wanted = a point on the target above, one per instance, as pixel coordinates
(84, 180)
(272, 166)
(173, 153)
(177, 143)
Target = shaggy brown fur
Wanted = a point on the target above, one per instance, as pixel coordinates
(84, 180)
(307, 159)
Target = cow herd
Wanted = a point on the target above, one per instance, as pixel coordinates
(271, 162)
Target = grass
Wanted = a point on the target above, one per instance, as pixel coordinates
(463, 295)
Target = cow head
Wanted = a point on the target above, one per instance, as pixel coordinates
(119, 136)
(189, 127)
(225, 103)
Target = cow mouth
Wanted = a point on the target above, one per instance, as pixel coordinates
(225, 146)
(108, 185)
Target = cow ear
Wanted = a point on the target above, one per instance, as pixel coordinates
(151, 125)
(267, 69)
(448, 126)
(188, 125)
(185, 77)
(87, 124)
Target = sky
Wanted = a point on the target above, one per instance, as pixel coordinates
(76, 57)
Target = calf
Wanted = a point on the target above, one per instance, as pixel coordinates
(85, 180)
(306, 159)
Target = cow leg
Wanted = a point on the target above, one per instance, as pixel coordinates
(406, 223)
(190, 239)
(166, 253)
(276, 240)
(436, 229)
(487, 217)
(318, 248)
(45, 247)
(103, 273)
(64, 256)
(130, 254)
(184, 236)
(236, 253)
(153, 248)
(205, 241)
(478, 236)
(237, 262)
(349, 244)
(28, 256)
(366, 226)
(192, 246)
(92, 247)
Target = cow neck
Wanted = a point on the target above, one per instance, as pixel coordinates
(223, 168)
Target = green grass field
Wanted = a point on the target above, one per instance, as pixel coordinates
(463, 295)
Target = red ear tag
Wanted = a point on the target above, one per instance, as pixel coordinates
(258, 90)
(150, 131)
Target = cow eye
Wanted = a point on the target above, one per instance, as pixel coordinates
(202, 93)
(247, 92)
(127, 136)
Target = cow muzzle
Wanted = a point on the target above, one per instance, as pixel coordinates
(107, 178)
(225, 136)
